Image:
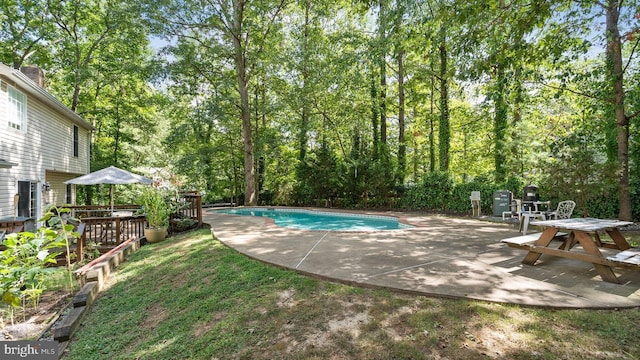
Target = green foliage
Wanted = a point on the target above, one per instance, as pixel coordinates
(59, 220)
(432, 194)
(91, 251)
(357, 169)
(577, 172)
(319, 176)
(26, 33)
(439, 193)
(600, 202)
(313, 72)
(156, 206)
(382, 177)
(460, 202)
(303, 192)
(23, 264)
(183, 223)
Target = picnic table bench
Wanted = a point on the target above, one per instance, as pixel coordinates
(627, 257)
(527, 241)
(582, 231)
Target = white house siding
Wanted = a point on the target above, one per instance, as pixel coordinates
(43, 152)
(57, 195)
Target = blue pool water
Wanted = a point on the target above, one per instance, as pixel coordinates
(319, 220)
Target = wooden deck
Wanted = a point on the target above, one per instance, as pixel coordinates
(99, 227)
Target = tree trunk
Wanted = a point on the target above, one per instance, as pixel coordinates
(383, 72)
(116, 135)
(374, 116)
(417, 149)
(304, 121)
(402, 146)
(250, 197)
(517, 117)
(444, 130)
(432, 141)
(76, 85)
(615, 68)
(500, 124)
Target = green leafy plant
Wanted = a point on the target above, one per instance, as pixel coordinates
(62, 223)
(23, 265)
(91, 251)
(156, 207)
(183, 223)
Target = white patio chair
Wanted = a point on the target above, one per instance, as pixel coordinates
(563, 211)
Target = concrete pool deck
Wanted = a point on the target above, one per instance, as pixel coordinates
(441, 256)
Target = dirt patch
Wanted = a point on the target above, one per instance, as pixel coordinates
(394, 326)
(348, 325)
(285, 298)
(157, 314)
(202, 328)
(345, 324)
(30, 322)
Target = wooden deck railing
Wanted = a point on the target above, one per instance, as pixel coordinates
(98, 226)
(84, 211)
(108, 232)
(192, 209)
(11, 226)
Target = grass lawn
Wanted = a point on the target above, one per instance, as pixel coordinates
(190, 297)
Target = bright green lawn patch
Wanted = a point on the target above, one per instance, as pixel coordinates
(190, 297)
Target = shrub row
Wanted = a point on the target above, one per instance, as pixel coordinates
(439, 193)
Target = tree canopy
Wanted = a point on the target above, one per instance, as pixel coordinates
(351, 103)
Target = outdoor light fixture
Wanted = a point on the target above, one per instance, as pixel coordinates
(46, 186)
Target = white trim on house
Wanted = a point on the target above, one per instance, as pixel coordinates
(16, 108)
(28, 86)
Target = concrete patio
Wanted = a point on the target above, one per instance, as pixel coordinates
(441, 256)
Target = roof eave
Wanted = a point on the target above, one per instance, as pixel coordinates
(41, 94)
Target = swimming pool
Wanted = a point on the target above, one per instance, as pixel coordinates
(321, 220)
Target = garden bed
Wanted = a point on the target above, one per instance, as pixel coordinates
(32, 322)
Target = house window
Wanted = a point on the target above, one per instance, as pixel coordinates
(28, 198)
(75, 141)
(17, 108)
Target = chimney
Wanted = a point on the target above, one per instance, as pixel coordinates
(34, 73)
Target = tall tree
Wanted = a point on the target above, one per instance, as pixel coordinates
(243, 27)
(444, 130)
(500, 121)
(375, 119)
(494, 48)
(615, 14)
(26, 31)
(382, 65)
(400, 54)
(305, 73)
(615, 74)
(237, 34)
(104, 76)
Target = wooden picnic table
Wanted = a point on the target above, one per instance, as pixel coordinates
(583, 231)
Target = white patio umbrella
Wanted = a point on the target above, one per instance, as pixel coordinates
(112, 176)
